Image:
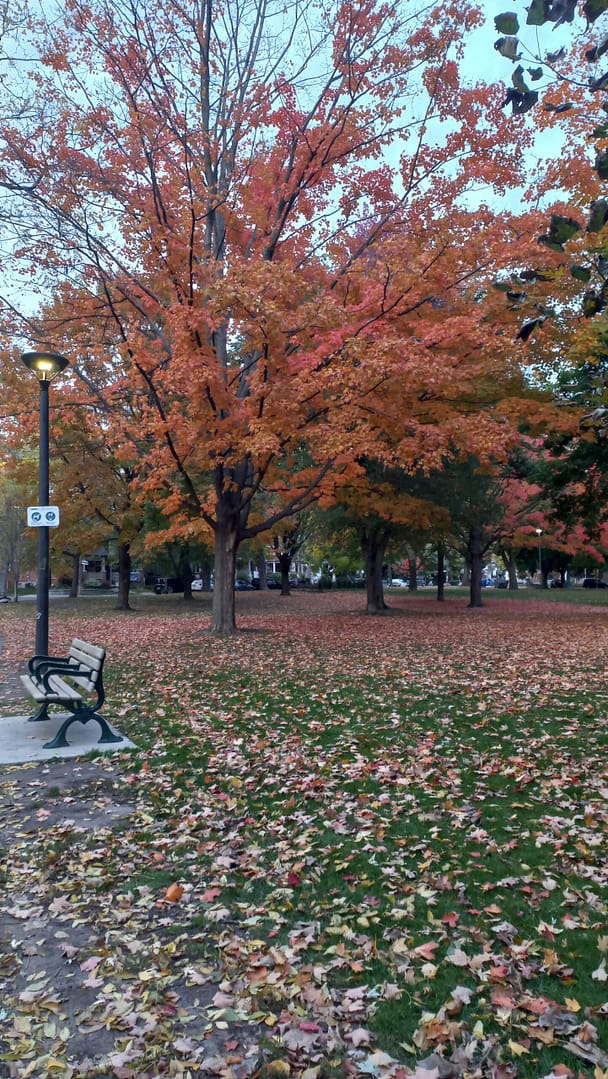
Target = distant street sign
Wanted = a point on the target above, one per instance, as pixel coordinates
(43, 516)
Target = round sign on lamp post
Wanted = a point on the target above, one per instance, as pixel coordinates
(45, 366)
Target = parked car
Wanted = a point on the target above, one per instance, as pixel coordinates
(241, 585)
(397, 582)
(592, 582)
(197, 585)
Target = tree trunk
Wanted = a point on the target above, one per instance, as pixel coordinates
(476, 556)
(185, 572)
(412, 573)
(223, 620)
(285, 566)
(374, 544)
(75, 585)
(440, 571)
(260, 561)
(124, 576)
(16, 572)
(511, 565)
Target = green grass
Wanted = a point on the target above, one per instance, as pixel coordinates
(585, 597)
(399, 820)
(453, 840)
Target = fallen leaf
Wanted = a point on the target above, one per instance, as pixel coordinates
(174, 893)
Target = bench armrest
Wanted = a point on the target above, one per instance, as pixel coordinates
(36, 663)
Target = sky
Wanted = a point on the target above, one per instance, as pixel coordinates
(487, 64)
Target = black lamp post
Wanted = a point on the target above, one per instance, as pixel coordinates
(539, 533)
(45, 366)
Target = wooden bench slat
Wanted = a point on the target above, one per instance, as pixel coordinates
(82, 681)
(90, 662)
(64, 689)
(59, 690)
(91, 651)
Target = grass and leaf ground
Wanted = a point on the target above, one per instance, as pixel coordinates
(358, 846)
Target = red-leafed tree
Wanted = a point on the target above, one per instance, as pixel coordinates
(213, 182)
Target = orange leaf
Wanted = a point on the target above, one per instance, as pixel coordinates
(174, 893)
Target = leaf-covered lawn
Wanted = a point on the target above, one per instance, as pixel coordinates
(370, 846)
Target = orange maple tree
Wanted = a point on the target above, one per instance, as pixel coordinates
(261, 229)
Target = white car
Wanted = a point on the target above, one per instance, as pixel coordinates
(197, 585)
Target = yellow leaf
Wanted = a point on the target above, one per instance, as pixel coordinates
(22, 1024)
(517, 1049)
(400, 946)
(408, 1048)
(572, 1004)
(278, 1067)
(547, 1037)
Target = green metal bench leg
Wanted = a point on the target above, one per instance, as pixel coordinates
(41, 714)
(107, 734)
(60, 741)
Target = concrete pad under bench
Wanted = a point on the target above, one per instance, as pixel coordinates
(21, 741)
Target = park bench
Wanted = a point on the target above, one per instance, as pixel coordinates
(63, 680)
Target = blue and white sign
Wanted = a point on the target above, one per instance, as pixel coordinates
(43, 516)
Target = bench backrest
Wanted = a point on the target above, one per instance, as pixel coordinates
(87, 660)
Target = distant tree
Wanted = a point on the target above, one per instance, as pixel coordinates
(286, 545)
(12, 526)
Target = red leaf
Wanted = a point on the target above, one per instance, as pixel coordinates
(210, 894)
(451, 919)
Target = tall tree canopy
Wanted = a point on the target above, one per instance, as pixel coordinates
(211, 186)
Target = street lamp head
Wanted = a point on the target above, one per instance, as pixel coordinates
(45, 365)
(538, 531)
